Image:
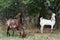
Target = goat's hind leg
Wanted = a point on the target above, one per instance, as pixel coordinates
(51, 28)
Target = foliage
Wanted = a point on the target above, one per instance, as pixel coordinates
(34, 8)
(8, 7)
(5, 4)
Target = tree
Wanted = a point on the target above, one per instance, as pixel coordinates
(55, 6)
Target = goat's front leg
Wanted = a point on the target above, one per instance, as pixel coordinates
(42, 29)
(13, 33)
(52, 28)
(8, 34)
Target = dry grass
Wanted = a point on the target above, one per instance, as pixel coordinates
(32, 34)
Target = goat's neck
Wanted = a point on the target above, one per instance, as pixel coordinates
(53, 18)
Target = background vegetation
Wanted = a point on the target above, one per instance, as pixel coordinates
(32, 8)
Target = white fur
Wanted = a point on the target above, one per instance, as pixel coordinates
(11, 23)
(47, 22)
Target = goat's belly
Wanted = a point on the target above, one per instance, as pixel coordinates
(13, 26)
(46, 22)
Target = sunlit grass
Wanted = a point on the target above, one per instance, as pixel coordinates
(31, 35)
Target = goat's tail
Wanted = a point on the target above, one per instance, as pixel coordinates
(41, 18)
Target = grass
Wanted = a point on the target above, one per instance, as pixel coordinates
(31, 35)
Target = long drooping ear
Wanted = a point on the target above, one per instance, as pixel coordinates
(18, 15)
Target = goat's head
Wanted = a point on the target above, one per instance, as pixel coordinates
(53, 14)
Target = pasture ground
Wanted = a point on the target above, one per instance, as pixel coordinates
(33, 34)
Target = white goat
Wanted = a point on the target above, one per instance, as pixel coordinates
(44, 22)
